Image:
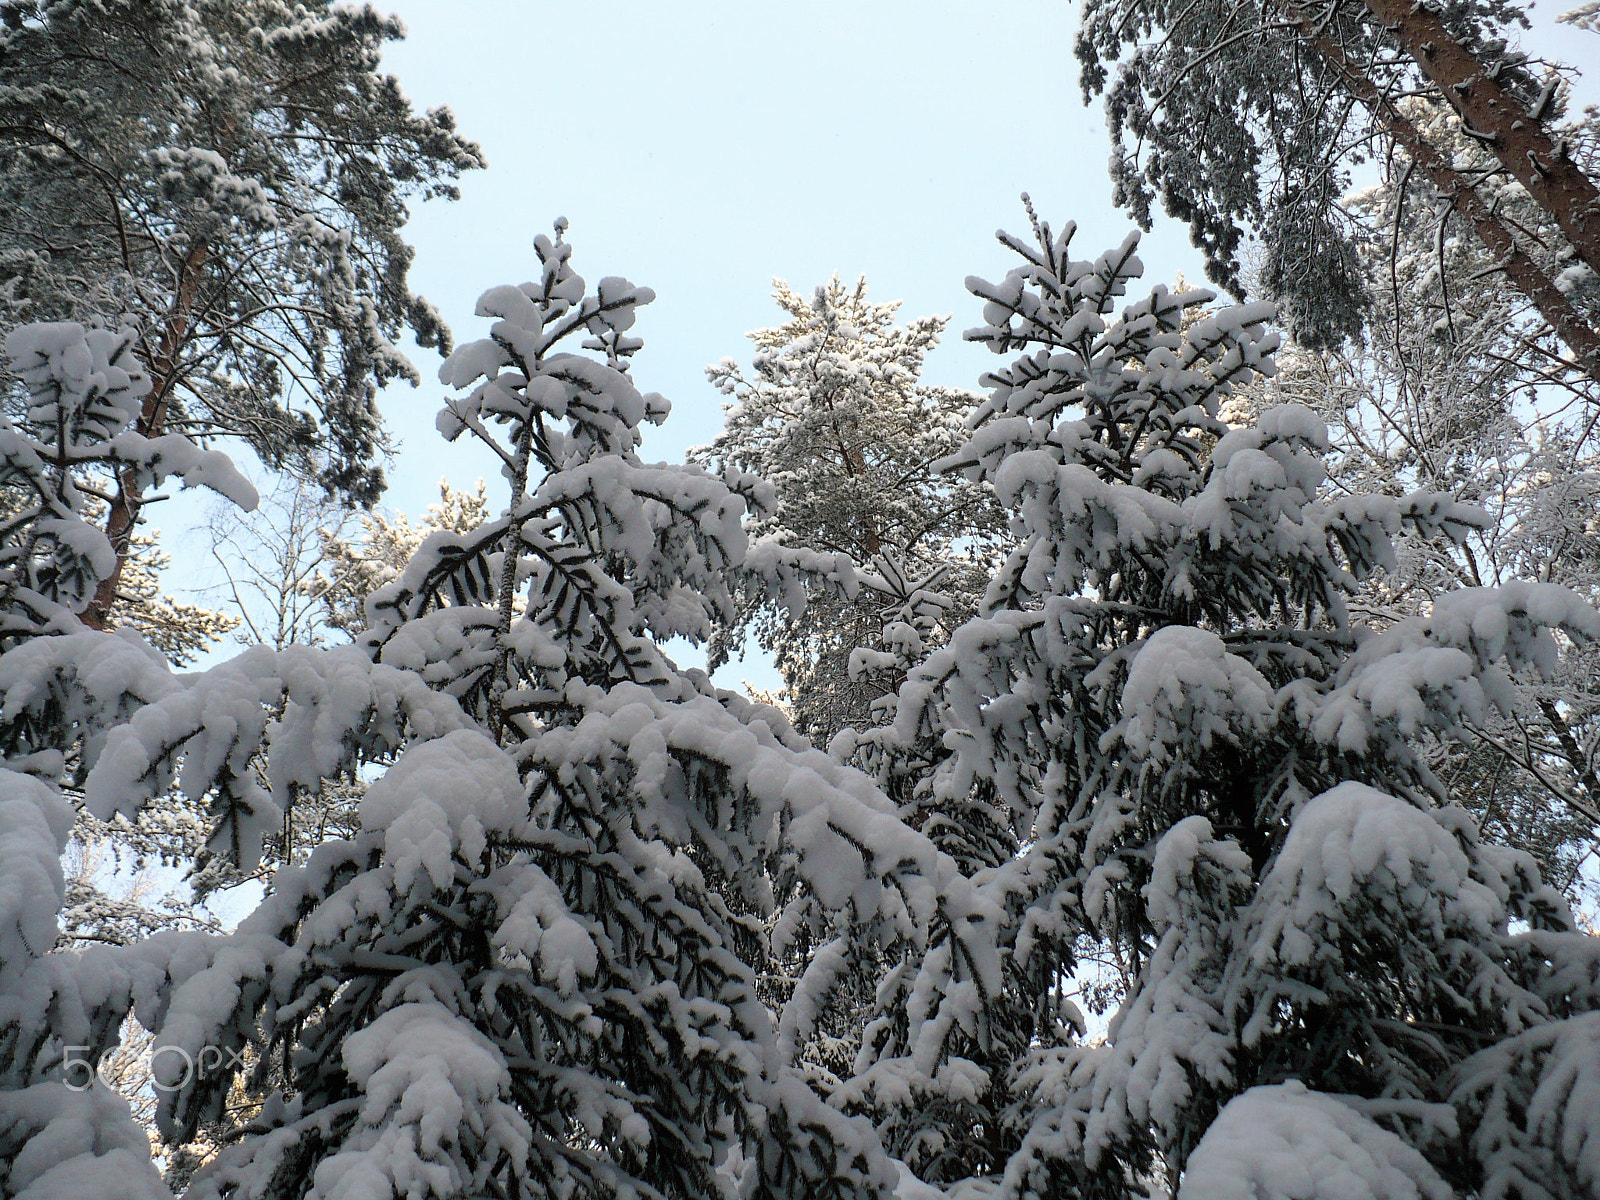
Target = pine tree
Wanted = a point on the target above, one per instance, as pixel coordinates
(177, 628)
(231, 179)
(1335, 984)
(1250, 119)
(834, 415)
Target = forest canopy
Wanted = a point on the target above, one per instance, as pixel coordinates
(1182, 780)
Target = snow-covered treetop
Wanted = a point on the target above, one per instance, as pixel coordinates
(1166, 741)
(602, 408)
(536, 955)
(611, 554)
(833, 413)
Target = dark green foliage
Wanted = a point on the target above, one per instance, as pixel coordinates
(231, 176)
(1235, 120)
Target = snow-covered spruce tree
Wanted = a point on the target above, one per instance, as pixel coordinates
(1336, 986)
(231, 176)
(64, 688)
(73, 440)
(179, 629)
(834, 415)
(60, 456)
(532, 971)
(298, 577)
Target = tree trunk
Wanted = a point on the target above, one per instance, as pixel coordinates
(1494, 117)
(1577, 760)
(125, 509)
(1525, 274)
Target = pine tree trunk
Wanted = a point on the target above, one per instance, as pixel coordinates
(1525, 274)
(1495, 118)
(124, 514)
(506, 593)
(855, 465)
(1577, 760)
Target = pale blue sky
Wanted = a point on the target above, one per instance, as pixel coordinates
(703, 148)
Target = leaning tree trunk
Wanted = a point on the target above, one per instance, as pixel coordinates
(1498, 120)
(164, 369)
(1525, 274)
